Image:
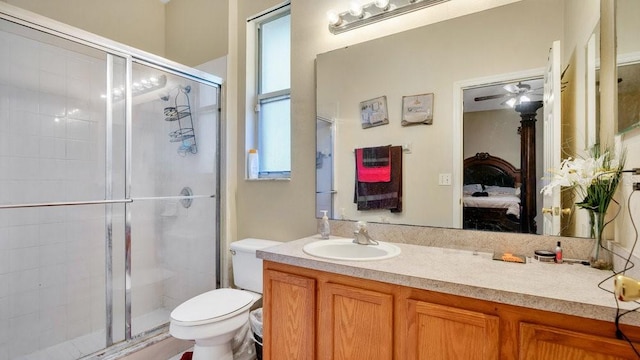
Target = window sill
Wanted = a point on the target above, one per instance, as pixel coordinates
(269, 179)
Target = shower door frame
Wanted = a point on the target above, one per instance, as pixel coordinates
(131, 55)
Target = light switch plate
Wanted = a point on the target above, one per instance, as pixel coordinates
(444, 179)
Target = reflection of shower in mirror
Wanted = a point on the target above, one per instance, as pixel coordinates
(180, 114)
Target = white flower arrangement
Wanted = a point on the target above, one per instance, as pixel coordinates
(595, 178)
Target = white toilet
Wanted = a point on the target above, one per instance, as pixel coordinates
(212, 319)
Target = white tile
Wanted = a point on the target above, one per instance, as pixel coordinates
(49, 191)
(25, 146)
(78, 129)
(52, 83)
(5, 141)
(53, 275)
(50, 215)
(24, 258)
(22, 327)
(4, 286)
(79, 108)
(23, 75)
(52, 169)
(24, 281)
(4, 350)
(52, 254)
(4, 318)
(78, 88)
(79, 68)
(24, 216)
(53, 233)
(52, 105)
(52, 59)
(55, 318)
(51, 337)
(25, 100)
(23, 236)
(78, 150)
(52, 126)
(24, 303)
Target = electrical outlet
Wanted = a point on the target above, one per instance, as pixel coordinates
(636, 186)
(444, 179)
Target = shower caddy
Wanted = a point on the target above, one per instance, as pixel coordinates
(180, 113)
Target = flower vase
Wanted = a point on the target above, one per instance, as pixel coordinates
(600, 257)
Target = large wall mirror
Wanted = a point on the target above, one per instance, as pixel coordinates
(496, 55)
(628, 57)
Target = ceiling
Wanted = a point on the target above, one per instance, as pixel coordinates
(469, 95)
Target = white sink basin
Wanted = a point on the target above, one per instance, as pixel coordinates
(345, 249)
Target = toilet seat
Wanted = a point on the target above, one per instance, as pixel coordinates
(214, 305)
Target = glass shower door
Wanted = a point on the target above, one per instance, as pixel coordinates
(174, 157)
(54, 131)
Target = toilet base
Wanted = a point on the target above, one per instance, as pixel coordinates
(212, 352)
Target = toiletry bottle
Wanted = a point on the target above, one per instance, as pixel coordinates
(323, 227)
(558, 253)
(252, 164)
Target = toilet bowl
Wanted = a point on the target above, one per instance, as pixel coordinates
(212, 319)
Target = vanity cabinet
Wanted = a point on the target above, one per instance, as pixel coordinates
(354, 323)
(543, 342)
(311, 314)
(288, 316)
(444, 332)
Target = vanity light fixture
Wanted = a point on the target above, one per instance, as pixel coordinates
(360, 14)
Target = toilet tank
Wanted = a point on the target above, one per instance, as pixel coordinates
(247, 268)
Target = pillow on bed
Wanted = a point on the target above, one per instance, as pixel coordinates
(471, 188)
(500, 190)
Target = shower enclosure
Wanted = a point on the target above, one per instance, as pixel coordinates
(109, 189)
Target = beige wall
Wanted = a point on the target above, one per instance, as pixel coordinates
(196, 30)
(495, 124)
(139, 23)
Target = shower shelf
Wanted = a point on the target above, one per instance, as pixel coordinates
(176, 113)
(181, 114)
(181, 135)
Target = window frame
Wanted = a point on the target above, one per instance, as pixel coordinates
(253, 131)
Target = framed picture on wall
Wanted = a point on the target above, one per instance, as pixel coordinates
(374, 112)
(417, 109)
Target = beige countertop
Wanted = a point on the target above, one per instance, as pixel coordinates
(563, 288)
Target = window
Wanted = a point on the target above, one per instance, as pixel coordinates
(272, 131)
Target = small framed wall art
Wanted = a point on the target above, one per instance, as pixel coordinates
(417, 109)
(374, 112)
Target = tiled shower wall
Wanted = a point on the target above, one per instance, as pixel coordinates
(51, 149)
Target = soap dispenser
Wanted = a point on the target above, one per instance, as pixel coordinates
(323, 226)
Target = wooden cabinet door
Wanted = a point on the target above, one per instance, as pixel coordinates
(289, 316)
(443, 332)
(354, 323)
(543, 342)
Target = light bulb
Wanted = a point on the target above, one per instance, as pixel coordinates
(334, 18)
(524, 98)
(355, 9)
(511, 102)
(382, 4)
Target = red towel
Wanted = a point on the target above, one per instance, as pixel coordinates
(372, 174)
(187, 356)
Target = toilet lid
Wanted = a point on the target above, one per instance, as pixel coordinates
(212, 304)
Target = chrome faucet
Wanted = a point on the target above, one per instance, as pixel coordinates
(361, 235)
